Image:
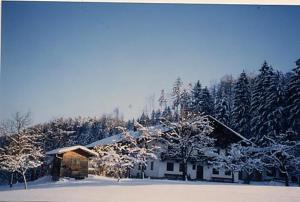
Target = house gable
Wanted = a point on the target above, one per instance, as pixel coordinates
(224, 135)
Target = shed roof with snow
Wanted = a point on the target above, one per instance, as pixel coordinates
(73, 148)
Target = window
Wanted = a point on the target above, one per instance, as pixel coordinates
(215, 171)
(227, 172)
(194, 166)
(151, 165)
(181, 167)
(170, 166)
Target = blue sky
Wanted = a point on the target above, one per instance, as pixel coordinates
(69, 59)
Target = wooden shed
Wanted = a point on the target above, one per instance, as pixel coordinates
(70, 162)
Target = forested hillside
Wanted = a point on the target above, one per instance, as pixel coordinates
(265, 104)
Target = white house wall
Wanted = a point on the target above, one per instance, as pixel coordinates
(192, 173)
(160, 169)
(208, 174)
(157, 172)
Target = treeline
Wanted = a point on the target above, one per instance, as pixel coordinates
(266, 104)
(23, 147)
(63, 132)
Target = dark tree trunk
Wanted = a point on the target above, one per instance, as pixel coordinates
(232, 176)
(248, 178)
(25, 181)
(286, 179)
(11, 179)
(119, 175)
(184, 173)
(142, 172)
(128, 173)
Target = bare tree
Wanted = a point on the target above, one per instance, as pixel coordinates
(22, 152)
(242, 156)
(129, 151)
(189, 139)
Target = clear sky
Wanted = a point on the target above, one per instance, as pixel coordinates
(69, 59)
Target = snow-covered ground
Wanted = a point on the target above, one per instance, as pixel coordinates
(104, 189)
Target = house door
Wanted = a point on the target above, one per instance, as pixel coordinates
(199, 172)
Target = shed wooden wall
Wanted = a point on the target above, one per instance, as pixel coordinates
(74, 164)
(55, 171)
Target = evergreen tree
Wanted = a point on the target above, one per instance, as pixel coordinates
(224, 100)
(167, 114)
(242, 98)
(130, 124)
(275, 106)
(196, 97)
(294, 98)
(153, 118)
(259, 113)
(222, 107)
(157, 116)
(177, 94)
(162, 100)
(144, 119)
(213, 92)
(207, 105)
(202, 101)
(186, 100)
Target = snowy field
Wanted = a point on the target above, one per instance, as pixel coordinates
(136, 190)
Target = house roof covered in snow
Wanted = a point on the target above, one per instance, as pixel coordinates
(119, 137)
(112, 139)
(66, 149)
(230, 134)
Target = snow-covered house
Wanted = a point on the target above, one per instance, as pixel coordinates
(70, 162)
(164, 167)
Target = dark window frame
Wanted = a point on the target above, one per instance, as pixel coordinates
(170, 166)
(228, 172)
(181, 167)
(215, 171)
(151, 165)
